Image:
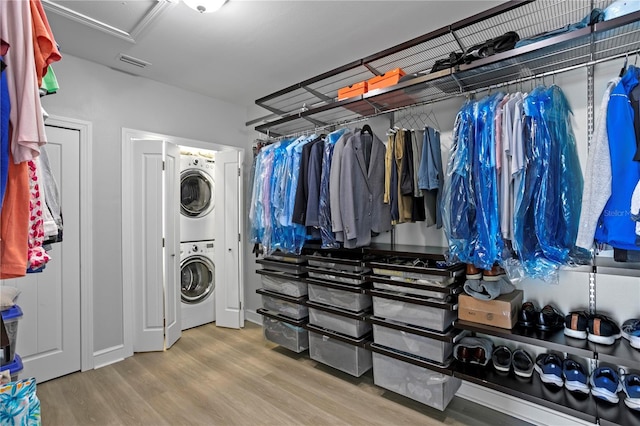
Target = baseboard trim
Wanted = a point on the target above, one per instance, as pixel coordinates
(109, 356)
(515, 407)
(253, 317)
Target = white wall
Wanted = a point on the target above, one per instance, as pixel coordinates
(112, 100)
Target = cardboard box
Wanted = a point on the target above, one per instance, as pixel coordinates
(353, 90)
(501, 312)
(390, 78)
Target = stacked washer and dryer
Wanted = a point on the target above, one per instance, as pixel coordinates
(197, 236)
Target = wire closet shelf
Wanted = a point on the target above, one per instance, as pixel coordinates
(313, 104)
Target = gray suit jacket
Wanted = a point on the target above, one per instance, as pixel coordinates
(334, 186)
(362, 204)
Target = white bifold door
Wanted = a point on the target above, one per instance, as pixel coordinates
(156, 244)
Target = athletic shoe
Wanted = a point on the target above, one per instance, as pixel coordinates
(549, 319)
(522, 363)
(631, 387)
(575, 324)
(605, 384)
(528, 315)
(631, 332)
(502, 358)
(549, 367)
(602, 329)
(575, 376)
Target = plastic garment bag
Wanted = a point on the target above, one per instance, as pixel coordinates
(548, 202)
(278, 197)
(488, 245)
(458, 202)
(327, 236)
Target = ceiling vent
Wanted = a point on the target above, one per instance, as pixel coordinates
(133, 61)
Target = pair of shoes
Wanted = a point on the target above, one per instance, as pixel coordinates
(631, 332)
(605, 384)
(631, 388)
(596, 327)
(503, 359)
(555, 371)
(547, 319)
(475, 273)
(473, 350)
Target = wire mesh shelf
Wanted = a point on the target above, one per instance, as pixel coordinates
(313, 104)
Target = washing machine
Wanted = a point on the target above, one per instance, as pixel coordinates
(198, 283)
(197, 198)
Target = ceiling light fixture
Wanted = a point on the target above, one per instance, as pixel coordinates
(205, 6)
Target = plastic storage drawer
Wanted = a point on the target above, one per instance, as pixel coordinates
(355, 301)
(418, 383)
(338, 277)
(286, 267)
(340, 353)
(353, 325)
(14, 367)
(292, 337)
(410, 290)
(284, 285)
(405, 341)
(292, 307)
(433, 318)
(11, 317)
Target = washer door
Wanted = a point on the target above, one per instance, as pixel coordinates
(196, 193)
(197, 276)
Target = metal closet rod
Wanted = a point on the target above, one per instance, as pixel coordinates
(464, 93)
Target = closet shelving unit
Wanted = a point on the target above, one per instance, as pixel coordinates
(312, 104)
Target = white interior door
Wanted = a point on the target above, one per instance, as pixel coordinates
(155, 285)
(172, 312)
(228, 240)
(49, 332)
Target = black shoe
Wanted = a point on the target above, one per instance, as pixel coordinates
(528, 316)
(550, 319)
(603, 329)
(502, 358)
(575, 324)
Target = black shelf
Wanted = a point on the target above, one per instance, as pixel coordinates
(530, 389)
(303, 322)
(302, 300)
(409, 298)
(436, 253)
(286, 267)
(454, 288)
(451, 335)
(555, 341)
(281, 275)
(616, 414)
(446, 369)
(620, 353)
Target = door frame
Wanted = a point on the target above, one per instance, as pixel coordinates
(128, 135)
(85, 129)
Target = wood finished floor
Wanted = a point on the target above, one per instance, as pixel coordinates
(215, 376)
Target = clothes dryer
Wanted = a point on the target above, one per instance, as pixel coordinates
(197, 198)
(197, 276)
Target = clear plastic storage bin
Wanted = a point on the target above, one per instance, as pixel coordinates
(284, 307)
(284, 334)
(410, 290)
(337, 277)
(284, 285)
(350, 326)
(418, 383)
(421, 346)
(436, 319)
(14, 367)
(11, 318)
(349, 300)
(339, 354)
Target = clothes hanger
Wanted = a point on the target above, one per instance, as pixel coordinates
(624, 66)
(366, 129)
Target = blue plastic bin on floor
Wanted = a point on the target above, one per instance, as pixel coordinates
(11, 317)
(14, 367)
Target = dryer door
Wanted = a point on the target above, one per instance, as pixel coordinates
(197, 279)
(196, 193)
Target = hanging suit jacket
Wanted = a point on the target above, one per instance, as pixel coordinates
(362, 205)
